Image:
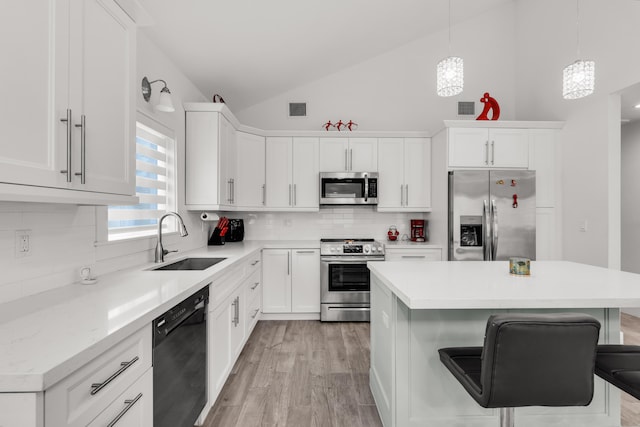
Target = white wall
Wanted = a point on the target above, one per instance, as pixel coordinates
(631, 197)
(397, 90)
(546, 44)
(63, 236)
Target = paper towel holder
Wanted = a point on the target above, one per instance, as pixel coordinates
(209, 216)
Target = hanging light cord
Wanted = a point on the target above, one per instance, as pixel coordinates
(578, 29)
(449, 27)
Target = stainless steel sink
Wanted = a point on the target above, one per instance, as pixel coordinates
(191, 264)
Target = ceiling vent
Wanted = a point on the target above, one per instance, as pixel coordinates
(466, 108)
(297, 109)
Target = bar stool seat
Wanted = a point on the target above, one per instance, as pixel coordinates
(529, 360)
(620, 366)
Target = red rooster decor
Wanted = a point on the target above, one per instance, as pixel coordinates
(490, 104)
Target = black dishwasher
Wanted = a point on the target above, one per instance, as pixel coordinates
(180, 362)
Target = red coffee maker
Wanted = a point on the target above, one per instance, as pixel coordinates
(418, 232)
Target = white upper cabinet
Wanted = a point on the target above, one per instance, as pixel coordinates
(76, 59)
(227, 165)
(405, 174)
(488, 148)
(211, 156)
(341, 154)
(292, 173)
(250, 173)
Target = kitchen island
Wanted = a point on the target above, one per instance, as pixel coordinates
(419, 307)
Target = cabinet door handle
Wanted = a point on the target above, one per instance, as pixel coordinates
(96, 387)
(229, 190)
(486, 153)
(493, 152)
(264, 194)
(346, 161)
(288, 263)
(406, 197)
(238, 311)
(83, 150)
(255, 285)
(401, 194)
(351, 159)
(295, 195)
(255, 262)
(233, 191)
(255, 313)
(128, 405)
(289, 194)
(69, 135)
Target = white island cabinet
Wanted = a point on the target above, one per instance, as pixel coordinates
(418, 308)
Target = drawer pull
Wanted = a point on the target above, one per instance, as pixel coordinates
(414, 256)
(255, 262)
(305, 252)
(255, 313)
(255, 285)
(96, 387)
(129, 404)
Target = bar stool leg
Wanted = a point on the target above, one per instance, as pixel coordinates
(506, 417)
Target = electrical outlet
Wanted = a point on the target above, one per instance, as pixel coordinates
(23, 243)
(583, 226)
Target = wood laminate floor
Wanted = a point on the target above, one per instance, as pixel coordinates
(306, 373)
(630, 405)
(299, 373)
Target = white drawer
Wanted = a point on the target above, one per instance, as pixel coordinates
(70, 402)
(224, 285)
(133, 408)
(253, 263)
(253, 314)
(418, 254)
(253, 287)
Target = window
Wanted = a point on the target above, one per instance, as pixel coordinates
(155, 186)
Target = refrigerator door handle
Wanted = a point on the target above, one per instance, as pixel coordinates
(486, 245)
(494, 230)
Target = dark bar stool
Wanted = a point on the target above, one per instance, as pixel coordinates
(529, 360)
(620, 366)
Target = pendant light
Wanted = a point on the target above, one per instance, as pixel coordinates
(578, 79)
(450, 71)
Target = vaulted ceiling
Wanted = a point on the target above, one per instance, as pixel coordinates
(251, 50)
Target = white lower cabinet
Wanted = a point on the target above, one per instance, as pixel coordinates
(231, 320)
(94, 388)
(133, 408)
(413, 254)
(291, 280)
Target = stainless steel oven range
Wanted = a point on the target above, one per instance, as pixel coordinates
(344, 278)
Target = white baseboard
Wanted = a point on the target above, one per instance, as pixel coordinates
(290, 316)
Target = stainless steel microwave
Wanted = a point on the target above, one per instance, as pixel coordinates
(348, 188)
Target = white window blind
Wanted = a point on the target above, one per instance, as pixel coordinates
(155, 186)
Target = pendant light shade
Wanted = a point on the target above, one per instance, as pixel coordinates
(578, 79)
(165, 103)
(450, 71)
(450, 79)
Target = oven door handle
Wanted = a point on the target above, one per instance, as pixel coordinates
(332, 308)
(341, 260)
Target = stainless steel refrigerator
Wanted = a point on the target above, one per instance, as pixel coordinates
(492, 215)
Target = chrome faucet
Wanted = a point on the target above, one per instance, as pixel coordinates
(160, 251)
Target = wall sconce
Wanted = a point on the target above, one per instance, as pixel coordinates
(165, 104)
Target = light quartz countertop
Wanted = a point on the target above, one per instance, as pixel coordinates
(408, 244)
(488, 284)
(45, 337)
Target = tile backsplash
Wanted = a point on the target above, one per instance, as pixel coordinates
(62, 239)
(338, 222)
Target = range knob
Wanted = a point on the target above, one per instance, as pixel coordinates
(332, 250)
(367, 249)
(374, 249)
